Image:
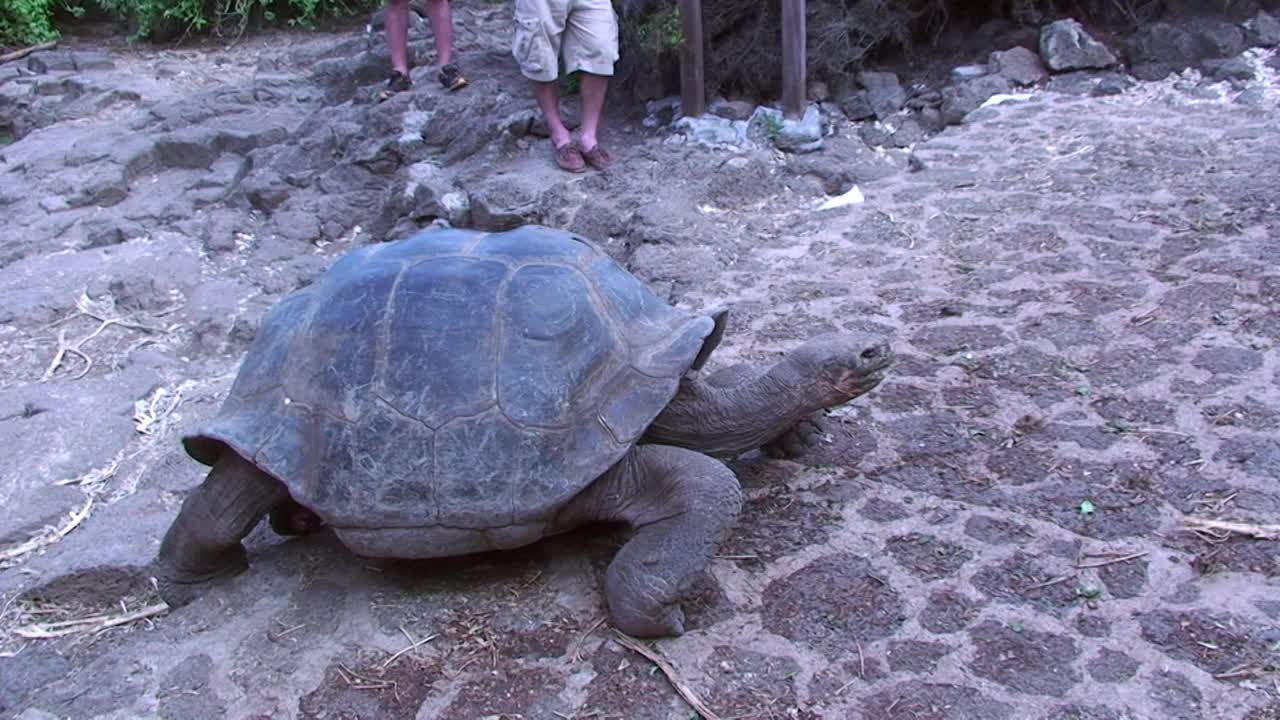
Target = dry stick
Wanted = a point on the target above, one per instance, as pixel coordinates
(1047, 583)
(19, 54)
(414, 646)
(1113, 561)
(1238, 671)
(1261, 532)
(48, 537)
(576, 655)
(667, 669)
(97, 623)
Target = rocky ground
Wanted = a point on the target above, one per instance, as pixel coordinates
(1080, 282)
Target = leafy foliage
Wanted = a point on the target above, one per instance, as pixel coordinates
(24, 22)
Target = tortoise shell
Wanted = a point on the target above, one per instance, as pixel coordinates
(455, 379)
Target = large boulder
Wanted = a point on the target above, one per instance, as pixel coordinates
(1065, 45)
(963, 98)
(884, 92)
(1263, 30)
(1019, 66)
(1160, 49)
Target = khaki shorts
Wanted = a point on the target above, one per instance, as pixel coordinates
(584, 31)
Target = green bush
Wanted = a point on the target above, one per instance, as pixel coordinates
(149, 18)
(25, 22)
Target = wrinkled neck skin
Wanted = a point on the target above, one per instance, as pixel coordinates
(728, 421)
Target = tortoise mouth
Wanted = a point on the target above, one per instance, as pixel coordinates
(854, 384)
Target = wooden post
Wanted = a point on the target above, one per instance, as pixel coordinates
(793, 58)
(693, 94)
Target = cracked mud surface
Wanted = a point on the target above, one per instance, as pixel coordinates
(1083, 293)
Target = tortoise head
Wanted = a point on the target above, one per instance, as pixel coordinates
(842, 366)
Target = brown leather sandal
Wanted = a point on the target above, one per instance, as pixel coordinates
(569, 157)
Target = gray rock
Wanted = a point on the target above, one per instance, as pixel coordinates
(1263, 30)
(1227, 69)
(931, 119)
(1019, 66)
(732, 109)
(1064, 45)
(767, 125)
(265, 190)
(47, 61)
(92, 60)
(884, 92)
(1219, 39)
(457, 208)
(961, 99)
(297, 226)
(102, 231)
(504, 203)
(1112, 85)
(1274, 62)
(857, 107)
(713, 131)
(1252, 97)
(968, 72)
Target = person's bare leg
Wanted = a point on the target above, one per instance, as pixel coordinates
(397, 20)
(594, 89)
(440, 15)
(548, 96)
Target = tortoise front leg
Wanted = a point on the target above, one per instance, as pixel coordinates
(681, 505)
(203, 543)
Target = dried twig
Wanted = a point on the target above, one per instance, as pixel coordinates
(49, 536)
(1047, 583)
(1238, 671)
(19, 54)
(1261, 532)
(667, 669)
(413, 645)
(95, 623)
(356, 681)
(576, 655)
(1112, 561)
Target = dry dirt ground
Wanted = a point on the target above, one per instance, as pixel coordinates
(1082, 290)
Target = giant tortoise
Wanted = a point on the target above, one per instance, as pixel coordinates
(459, 391)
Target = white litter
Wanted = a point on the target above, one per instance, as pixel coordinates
(852, 197)
(1005, 97)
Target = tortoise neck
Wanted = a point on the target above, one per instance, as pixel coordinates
(727, 421)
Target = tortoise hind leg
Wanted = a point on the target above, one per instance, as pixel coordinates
(203, 543)
(681, 504)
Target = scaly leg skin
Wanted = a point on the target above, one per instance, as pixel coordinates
(203, 543)
(681, 505)
(792, 443)
(737, 410)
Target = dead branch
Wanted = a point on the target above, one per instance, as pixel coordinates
(669, 670)
(19, 54)
(1253, 530)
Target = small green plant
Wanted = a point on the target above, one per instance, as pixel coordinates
(28, 22)
(570, 83)
(661, 31)
(225, 17)
(773, 125)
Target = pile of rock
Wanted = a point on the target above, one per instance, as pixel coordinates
(1066, 58)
